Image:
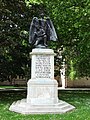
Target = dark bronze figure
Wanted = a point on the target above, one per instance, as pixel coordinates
(41, 30)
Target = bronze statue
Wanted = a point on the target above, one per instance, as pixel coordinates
(41, 31)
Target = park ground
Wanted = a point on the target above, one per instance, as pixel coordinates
(80, 99)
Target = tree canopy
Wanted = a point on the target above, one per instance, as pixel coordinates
(72, 22)
(14, 47)
(71, 19)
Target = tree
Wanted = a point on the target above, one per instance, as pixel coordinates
(71, 21)
(14, 35)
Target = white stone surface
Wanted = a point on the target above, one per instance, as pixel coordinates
(42, 93)
(63, 77)
(62, 73)
(42, 65)
(25, 108)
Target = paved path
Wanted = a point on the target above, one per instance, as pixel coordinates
(13, 89)
(74, 89)
(25, 89)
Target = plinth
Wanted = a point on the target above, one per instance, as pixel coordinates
(42, 93)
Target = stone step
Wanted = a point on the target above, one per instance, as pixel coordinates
(24, 108)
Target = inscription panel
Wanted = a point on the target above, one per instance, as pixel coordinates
(42, 66)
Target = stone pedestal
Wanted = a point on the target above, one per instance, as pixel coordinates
(42, 88)
(42, 93)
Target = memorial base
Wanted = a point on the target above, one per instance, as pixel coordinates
(42, 93)
(41, 99)
(21, 106)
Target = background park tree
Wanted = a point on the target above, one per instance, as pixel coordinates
(72, 23)
(14, 35)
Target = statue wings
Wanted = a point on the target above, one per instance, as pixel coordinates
(33, 30)
(53, 35)
(50, 30)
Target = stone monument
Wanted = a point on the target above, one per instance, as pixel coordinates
(62, 73)
(42, 93)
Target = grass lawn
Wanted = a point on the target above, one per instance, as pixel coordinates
(2, 87)
(81, 100)
(10, 87)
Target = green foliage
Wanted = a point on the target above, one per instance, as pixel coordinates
(33, 2)
(14, 35)
(14, 54)
(72, 71)
(72, 23)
